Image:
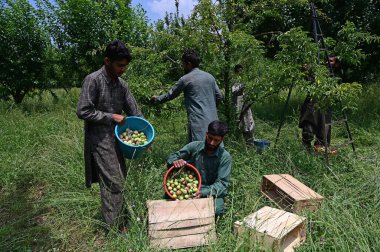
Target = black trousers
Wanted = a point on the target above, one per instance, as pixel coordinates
(309, 130)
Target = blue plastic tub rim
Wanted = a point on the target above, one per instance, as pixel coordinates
(265, 141)
(262, 143)
(148, 125)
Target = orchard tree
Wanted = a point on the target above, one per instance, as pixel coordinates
(297, 49)
(23, 50)
(267, 19)
(349, 45)
(217, 30)
(156, 63)
(80, 30)
(212, 29)
(224, 32)
(148, 73)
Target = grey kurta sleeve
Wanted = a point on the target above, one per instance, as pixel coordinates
(219, 187)
(173, 92)
(86, 109)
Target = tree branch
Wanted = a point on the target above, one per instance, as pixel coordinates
(267, 33)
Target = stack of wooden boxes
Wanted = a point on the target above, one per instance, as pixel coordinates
(181, 224)
(190, 223)
(277, 229)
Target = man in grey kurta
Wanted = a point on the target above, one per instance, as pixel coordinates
(103, 98)
(212, 161)
(201, 96)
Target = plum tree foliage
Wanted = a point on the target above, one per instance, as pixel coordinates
(64, 41)
(23, 50)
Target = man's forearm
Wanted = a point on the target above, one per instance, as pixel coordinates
(93, 115)
(218, 189)
(162, 98)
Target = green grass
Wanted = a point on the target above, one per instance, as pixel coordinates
(44, 204)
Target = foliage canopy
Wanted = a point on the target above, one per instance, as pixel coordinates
(271, 39)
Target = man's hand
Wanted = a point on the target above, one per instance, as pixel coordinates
(179, 163)
(153, 99)
(119, 119)
(197, 195)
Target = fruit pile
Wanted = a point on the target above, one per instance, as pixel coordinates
(182, 184)
(133, 138)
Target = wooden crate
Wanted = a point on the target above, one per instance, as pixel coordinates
(181, 224)
(273, 229)
(289, 193)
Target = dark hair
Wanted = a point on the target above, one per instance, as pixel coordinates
(116, 50)
(332, 55)
(238, 68)
(217, 128)
(190, 55)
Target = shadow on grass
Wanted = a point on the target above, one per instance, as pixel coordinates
(45, 101)
(23, 220)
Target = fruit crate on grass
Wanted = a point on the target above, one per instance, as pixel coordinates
(181, 224)
(290, 194)
(273, 229)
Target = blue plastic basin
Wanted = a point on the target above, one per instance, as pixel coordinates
(261, 144)
(139, 124)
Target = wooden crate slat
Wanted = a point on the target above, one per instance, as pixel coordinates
(273, 222)
(184, 241)
(274, 182)
(292, 240)
(289, 193)
(181, 224)
(265, 240)
(307, 192)
(274, 192)
(163, 211)
(282, 229)
(280, 226)
(280, 200)
(274, 229)
(283, 183)
(169, 233)
(259, 220)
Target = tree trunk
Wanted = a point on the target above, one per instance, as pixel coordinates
(18, 96)
(227, 84)
(226, 75)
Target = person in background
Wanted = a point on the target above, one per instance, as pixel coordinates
(243, 108)
(311, 120)
(103, 97)
(335, 66)
(201, 93)
(212, 161)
